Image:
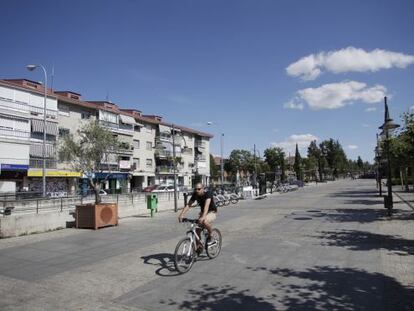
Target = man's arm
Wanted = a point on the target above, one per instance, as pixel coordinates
(185, 210)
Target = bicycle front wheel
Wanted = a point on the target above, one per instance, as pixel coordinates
(184, 255)
(213, 248)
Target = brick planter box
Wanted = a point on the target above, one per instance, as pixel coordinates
(96, 215)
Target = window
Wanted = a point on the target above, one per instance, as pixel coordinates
(149, 163)
(136, 144)
(63, 131)
(137, 128)
(149, 145)
(63, 110)
(148, 128)
(136, 163)
(85, 115)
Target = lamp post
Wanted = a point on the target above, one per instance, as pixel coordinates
(221, 160)
(255, 166)
(174, 170)
(31, 68)
(378, 158)
(221, 155)
(173, 132)
(388, 126)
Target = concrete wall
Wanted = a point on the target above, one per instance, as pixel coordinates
(33, 223)
(52, 215)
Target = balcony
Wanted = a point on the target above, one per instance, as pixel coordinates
(160, 153)
(200, 158)
(38, 163)
(200, 144)
(14, 134)
(9, 104)
(164, 169)
(122, 129)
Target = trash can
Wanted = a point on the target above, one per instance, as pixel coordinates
(152, 203)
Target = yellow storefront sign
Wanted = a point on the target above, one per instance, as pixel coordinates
(38, 173)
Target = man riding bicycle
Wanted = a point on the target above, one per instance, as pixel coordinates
(208, 209)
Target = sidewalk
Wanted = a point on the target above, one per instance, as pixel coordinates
(404, 196)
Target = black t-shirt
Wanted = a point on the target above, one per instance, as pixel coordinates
(201, 200)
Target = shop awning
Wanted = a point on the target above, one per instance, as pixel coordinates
(36, 150)
(51, 127)
(127, 119)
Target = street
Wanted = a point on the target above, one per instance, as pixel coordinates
(324, 247)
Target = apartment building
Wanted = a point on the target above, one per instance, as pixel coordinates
(145, 157)
(21, 136)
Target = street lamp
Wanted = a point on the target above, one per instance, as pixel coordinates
(173, 132)
(31, 68)
(378, 158)
(388, 126)
(254, 162)
(221, 155)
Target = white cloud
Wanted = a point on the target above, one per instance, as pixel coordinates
(346, 60)
(412, 109)
(366, 125)
(352, 147)
(289, 145)
(338, 95)
(294, 104)
(371, 109)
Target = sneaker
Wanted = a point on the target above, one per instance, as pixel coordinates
(199, 250)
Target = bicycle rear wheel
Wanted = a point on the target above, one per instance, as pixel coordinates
(213, 250)
(184, 255)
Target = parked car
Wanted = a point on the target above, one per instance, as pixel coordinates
(102, 192)
(150, 188)
(165, 189)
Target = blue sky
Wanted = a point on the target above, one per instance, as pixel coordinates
(226, 62)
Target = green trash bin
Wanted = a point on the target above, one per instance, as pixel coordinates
(152, 203)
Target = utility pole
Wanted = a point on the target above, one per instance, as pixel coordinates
(222, 160)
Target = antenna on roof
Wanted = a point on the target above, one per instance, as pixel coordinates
(52, 76)
(107, 96)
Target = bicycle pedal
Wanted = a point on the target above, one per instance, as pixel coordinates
(210, 244)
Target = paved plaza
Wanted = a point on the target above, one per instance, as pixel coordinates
(324, 247)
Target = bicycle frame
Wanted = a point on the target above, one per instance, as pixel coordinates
(192, 234)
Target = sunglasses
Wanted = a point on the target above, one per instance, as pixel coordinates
(198, 189)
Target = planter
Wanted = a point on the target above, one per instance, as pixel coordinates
(96, 215)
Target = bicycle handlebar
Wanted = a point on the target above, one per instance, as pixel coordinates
(194, 221)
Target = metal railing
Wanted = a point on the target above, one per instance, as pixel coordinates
(15, 204)
(22, 106)
(14, 133)
(38, 163)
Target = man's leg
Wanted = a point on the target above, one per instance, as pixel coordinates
(207, 222)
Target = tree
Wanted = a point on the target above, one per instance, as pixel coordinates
(239, 160)
(275, 158)
(360, 164)
(214, 170)
(298, 164)
(402, 149)
(315, 156)
(88, 152)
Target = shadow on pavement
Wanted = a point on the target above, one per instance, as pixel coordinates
(356, 194)
(220, 298)
(366, 241)
(366, 215)
(164, 261)
(334, 288)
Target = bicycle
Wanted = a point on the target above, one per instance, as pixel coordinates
(185, 252)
